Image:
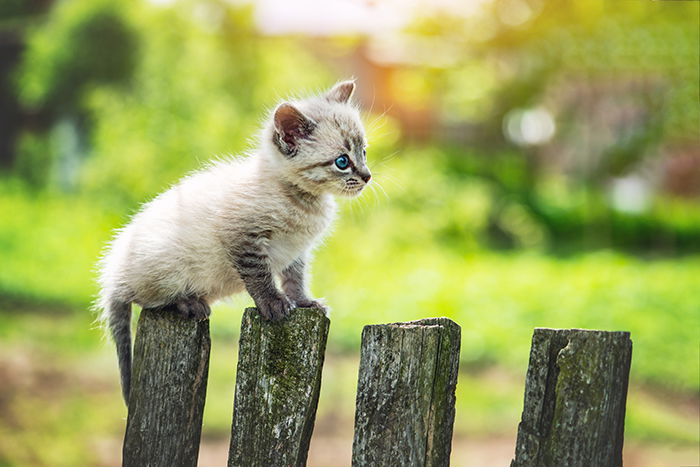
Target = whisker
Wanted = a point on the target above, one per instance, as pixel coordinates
(374, 195)
(391, 179)
(385, 159)
(374, 96)
(379, 185)
(378, 118)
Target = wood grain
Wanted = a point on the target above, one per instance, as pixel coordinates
(575, 395)
(277, 388)
(168, 389)
(406, 393)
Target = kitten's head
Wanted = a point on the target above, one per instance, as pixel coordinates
(319, 143)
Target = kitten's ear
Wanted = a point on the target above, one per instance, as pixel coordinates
(341, 92)
(290, 126)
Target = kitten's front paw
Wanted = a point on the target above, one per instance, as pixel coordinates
(318, 303)
(274, 308)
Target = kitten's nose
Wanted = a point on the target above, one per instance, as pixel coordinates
(365, 176)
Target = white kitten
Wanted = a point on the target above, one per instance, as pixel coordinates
(238, 224)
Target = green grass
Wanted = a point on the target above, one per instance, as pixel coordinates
(49, 245)
(498, 300)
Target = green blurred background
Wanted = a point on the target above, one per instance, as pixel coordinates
(537, 163)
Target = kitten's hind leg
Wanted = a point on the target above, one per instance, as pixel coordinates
(192, 308)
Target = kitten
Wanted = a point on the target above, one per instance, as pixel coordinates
(238, 224)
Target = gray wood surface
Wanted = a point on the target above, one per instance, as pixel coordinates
(406, 393)
(168, 388)
(575, 394)
(277, 386)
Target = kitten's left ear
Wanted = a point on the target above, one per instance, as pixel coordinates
(291, 126)
(341, 92)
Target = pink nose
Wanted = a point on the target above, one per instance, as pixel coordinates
(366, 177)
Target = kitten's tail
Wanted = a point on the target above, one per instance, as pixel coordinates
(119, 320)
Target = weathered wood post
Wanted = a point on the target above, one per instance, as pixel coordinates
(406, 393)
(168, 388)
(575, 393)
(277, 386)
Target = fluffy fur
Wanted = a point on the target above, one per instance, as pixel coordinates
(239, 224)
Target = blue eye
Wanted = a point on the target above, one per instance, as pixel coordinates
(342, 162)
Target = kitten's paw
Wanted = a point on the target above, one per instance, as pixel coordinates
(317, 303)
(193, 308)
(275, 308)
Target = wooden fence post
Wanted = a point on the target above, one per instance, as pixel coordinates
(168, 388)
(575, 393)
(277, 386)
(406, 393)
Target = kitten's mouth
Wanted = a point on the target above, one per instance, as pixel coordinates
(353, 190)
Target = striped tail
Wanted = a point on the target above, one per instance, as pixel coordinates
(119, 314)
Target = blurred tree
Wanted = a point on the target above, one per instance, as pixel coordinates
(564, 110)
(582, 94)
(14, 17)
(79, 46)
(199, 91)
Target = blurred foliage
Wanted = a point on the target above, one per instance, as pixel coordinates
(118, 100)
(620, 83)
(180, 84)
(83, 45)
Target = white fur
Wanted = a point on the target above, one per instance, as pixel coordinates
(181, 242)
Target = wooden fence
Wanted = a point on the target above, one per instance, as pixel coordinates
(574, 406)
